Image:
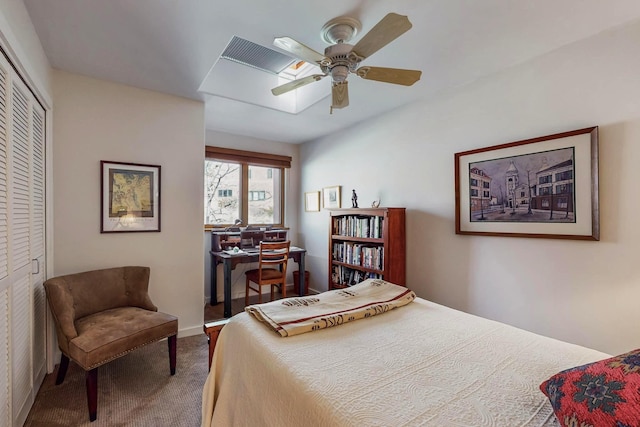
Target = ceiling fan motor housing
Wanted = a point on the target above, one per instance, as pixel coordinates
(341, 62)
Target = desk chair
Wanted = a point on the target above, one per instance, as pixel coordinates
(272, 269)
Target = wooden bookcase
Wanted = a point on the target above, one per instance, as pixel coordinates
(364, 243)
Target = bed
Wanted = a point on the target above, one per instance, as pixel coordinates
(422, 364)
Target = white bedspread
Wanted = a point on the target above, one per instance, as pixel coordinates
(420, 365)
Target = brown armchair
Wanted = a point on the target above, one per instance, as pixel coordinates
(101, 315)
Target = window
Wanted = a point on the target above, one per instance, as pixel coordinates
(474, 182)
(564, 176)
(257, 195)
(546, 179)
(474, 192)
(245, 186)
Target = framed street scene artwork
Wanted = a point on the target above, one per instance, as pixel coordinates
(331, 197)
(543, 187)
(130, 197)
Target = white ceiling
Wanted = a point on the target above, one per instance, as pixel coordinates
(171, 45)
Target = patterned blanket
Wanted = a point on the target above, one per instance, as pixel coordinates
(293, 316)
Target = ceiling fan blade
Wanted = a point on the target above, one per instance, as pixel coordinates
(301, 51)
(295, 84)
(340, 95)
(390, 75)
(387, 30)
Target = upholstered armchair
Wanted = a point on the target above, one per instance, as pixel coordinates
(101, 315)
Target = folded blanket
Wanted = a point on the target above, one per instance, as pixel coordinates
(293, 316)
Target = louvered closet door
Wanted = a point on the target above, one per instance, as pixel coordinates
(37, 236)
(19, 247)
(5, 319)
(22, 247)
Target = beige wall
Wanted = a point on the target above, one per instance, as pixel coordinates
(577, 291)
(96, 120)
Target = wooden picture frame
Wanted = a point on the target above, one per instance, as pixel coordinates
(545, 187)
(312, 201)
(130, 197)
(331, 198)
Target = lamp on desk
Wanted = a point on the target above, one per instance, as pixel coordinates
(235, 227)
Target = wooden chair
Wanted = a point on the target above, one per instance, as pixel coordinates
(272, 269)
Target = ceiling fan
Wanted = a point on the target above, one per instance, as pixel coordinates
(341, 58)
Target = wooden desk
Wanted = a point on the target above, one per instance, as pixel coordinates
(229, 262)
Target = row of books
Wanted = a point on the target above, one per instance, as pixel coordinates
(354, 226)
(346, 276)
(359, 254)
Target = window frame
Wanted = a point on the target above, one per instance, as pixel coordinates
(246, 159)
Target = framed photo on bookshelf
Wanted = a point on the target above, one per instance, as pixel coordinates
(312, 201)
(544, 187)
(331, 197)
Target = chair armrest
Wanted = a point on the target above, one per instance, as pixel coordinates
(62, 307)
(212, 329)
(137, 286)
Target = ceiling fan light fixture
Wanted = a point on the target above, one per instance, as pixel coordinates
(339, 73)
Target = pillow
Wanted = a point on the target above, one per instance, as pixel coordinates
(599, 394)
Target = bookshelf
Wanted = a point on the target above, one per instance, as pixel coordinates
(365, 243)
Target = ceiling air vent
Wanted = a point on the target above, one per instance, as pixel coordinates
(248, 53)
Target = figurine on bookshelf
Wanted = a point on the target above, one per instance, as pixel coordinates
(354, 199)
(375, 204)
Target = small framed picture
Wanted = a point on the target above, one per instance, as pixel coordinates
(130, 199)
(312, 201)
(331, 197)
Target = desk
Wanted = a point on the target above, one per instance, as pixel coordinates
(229, 262)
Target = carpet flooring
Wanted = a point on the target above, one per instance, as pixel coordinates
(134, 390)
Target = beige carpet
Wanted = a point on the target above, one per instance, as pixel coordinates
(134, 390)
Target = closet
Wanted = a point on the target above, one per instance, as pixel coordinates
(22, 247)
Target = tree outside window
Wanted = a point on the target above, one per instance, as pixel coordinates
(245, 186)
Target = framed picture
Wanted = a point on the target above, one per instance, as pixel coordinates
(130, 197)
(312, 201)
(543, 187)
(331, 197)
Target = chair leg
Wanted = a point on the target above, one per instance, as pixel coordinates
(273, 295)
(62, 369)
(259, 294)
(246, 293)
(172, 353)
(92, 393)
(284, 290)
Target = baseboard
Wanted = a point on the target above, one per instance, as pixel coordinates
(190, 331)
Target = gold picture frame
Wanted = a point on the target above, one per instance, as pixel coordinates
(331, 198)
(312, 201)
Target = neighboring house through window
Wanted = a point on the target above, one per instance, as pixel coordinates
(244, 185)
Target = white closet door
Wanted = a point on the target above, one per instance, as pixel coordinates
(5, 319)
(22, 247)
(37, 235)
(19, 248)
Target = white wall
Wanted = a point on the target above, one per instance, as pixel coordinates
(292, 202)
(97, 120)
(578, 291)
(19, 39)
